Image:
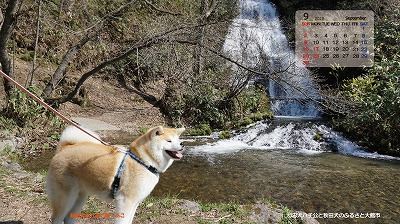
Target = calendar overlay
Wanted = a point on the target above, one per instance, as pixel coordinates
(340, 38)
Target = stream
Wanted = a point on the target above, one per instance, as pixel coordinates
(274, 165)
(283, 162)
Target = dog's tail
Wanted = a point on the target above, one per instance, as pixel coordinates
(72, 135)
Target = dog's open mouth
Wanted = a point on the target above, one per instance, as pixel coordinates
(174, 154)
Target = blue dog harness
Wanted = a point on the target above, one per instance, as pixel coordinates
(117, 177)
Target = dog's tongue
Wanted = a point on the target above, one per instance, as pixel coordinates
(175, 154)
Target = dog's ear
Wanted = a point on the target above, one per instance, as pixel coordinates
(156, 131)
(179, 131)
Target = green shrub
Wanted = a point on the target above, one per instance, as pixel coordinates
(26, 57)
(245, 122)
(22, 108)
(203, 129)
(31, 120)
(287, 216)
(376, 100)
(374, 115)
(207, 105)
(253, 100)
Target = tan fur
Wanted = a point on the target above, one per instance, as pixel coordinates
(83, 166)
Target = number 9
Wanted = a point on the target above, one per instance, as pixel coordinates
(305, 16)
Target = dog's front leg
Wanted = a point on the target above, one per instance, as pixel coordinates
(126, 210)
(134, 211)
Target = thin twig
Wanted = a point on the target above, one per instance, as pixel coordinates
(36, 45)
(161, 10)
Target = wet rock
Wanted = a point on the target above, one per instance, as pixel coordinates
(330, 145)
(304, 218)
(7, 144)
(21, 175)
(262, 213)
(13, 166)
(19, 142)
(190, 206)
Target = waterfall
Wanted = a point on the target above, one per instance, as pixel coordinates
(256, 40)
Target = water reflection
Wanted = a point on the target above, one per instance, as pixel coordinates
(327, 182)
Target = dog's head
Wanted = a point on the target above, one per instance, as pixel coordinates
(162, 145)
(167, 141)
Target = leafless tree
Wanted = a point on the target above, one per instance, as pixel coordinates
(13, 10)
(207, 8)
(92, 32)
(36, 45)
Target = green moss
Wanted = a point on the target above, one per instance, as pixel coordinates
(225, 135)
(242, 123)
(287, 216)
(260, 116)
(318, 137)
(203, 129)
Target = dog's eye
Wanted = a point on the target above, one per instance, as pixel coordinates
(169, 141)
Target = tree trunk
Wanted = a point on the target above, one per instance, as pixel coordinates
(1, 19)
(9, 22)
(206, 9)
(96, 27)
(157, 39)
(59, 73)
(36, 45)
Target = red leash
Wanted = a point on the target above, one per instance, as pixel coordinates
(37, 99)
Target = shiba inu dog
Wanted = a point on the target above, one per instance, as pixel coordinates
(83, 166)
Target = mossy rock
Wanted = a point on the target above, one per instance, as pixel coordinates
(225, 135)
(203, 129)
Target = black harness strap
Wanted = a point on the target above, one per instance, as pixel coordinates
(117, 177)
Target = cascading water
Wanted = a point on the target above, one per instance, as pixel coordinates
(256, 39)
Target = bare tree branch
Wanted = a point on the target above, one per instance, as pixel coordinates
(1, 18)
(67, 58)
(144, 44)
(206, 10)
(59, 73)
(272, 76)
(161, 10)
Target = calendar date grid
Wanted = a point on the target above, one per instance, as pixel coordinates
(323, 43)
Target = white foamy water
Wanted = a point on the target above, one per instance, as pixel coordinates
(347, 147)
(297, 136)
